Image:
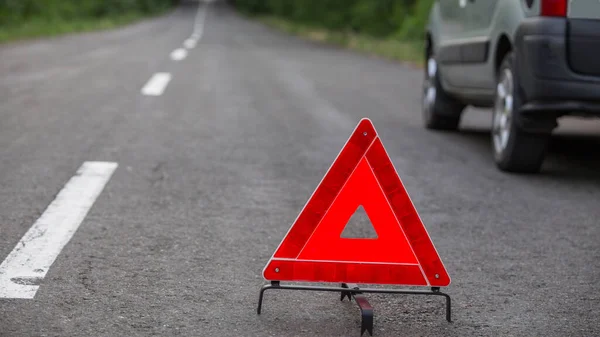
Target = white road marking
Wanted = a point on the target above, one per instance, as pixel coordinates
(198, 30)
(178, 54)
(156, 84)
(189, 43)
(199, 22)
(28, 263)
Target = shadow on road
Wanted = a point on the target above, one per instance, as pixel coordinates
(572, 156)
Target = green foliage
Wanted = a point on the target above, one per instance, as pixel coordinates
(379, 18)
(15, 12)
(31, 18)
(390, 48)
(414, 25)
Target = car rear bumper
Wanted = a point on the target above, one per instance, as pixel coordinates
(556, 67)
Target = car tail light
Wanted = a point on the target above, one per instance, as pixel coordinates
(554, 7)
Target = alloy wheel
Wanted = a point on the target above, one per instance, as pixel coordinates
(503, 111)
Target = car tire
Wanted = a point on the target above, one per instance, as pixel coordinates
(515, 150)
(440, 110)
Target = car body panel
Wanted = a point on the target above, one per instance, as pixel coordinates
(467, 50)
(449, 25)
(467, 65)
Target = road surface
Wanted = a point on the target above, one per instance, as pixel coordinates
(200, 155)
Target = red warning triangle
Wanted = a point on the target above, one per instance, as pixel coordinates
(362, 175)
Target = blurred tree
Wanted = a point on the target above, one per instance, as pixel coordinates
(381, 18)
(15, 11)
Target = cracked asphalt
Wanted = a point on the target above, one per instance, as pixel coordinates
(213, 172)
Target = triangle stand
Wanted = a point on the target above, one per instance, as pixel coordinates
(314, 250)
(353, 291)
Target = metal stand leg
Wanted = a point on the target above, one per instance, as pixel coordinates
(274, 284)
(436, 291)
(366, 310)
(354, 292)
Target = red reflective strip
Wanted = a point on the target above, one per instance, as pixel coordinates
(554, 8)
(407, 215)
(348, 272)
(328, 189)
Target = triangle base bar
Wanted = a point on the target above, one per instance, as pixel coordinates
(350, 272)
(355, 292)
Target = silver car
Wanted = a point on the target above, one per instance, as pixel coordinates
(531, 61)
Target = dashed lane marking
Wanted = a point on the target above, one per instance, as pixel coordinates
(26, 266)
(156, 84)
(190, 43)
(179, 54)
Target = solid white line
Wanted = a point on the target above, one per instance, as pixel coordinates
(178, 54)
(28, 263)
(156, 84)
(198, 30)
(199, 22)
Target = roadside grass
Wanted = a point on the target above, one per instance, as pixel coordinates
(36, 28)
(404, 51)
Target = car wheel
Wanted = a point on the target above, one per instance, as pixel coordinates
(515, 150)
(440, 110)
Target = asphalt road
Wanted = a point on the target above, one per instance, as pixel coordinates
(213, 171)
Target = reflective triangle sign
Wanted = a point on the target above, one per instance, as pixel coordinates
(401, 254)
